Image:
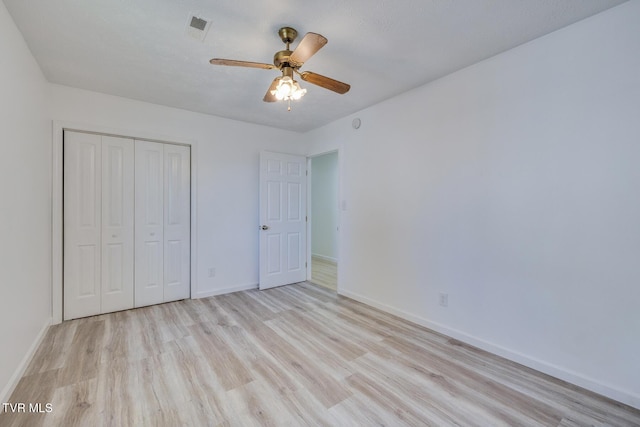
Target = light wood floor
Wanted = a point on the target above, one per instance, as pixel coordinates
(324, 273)
(292, 356)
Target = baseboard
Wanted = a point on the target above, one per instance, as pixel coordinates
(623, 396)
(24, 363)
(228, 290)
(325, 258)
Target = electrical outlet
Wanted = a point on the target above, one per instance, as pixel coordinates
(443, 299)
(212, 272)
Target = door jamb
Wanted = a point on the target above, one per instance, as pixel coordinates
(310, 216)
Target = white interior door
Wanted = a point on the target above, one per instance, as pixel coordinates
(117, 224)
(149, 223)
(82, 224)
(177, 223)
(283, 244)
(127, 223)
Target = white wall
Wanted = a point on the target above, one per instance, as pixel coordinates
(513, 186)
(25, 221)
(324, 206)
(227, 163)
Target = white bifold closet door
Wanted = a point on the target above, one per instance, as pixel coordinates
(113, 186)
(98, 224)
(162, 217)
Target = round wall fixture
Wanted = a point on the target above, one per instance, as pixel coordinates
(356, 123)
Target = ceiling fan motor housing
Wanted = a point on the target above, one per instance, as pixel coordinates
(281, 59)
(288, 35)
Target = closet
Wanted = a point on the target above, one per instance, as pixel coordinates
(126, 223)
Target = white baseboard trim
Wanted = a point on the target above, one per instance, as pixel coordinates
(212, 293)
(24, 363)
(612, 392)
(325, 258)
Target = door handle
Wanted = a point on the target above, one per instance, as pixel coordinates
(264, 227)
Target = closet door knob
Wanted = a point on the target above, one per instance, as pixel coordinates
(265, 227)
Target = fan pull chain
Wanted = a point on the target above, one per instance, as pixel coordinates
(289, 108)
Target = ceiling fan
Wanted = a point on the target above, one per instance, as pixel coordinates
(285, 87)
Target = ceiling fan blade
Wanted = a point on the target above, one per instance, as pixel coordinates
(234, 63)
(325, 82)
(308, 46)
(269, 97)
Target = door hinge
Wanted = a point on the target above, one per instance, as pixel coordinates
(306, 219)
(306, 173)
(305, 265)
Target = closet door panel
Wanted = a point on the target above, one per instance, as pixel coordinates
(177, 222)
(82, 224)
(117, 223)
(149, 223)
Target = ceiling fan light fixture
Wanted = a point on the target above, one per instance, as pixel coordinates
(299, 92)
(288, 89)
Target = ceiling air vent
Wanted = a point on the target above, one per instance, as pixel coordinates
(197, 27)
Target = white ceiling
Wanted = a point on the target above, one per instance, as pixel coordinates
(139, 49)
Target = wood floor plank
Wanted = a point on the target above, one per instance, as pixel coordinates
(370, 413)
(250, 408)
(75, 404)
(328, 390)
(311, 294)
(115, 400)
(324, 334)
(296, 355)
(584, 406)
(205, 390)
(300, 402)
(323, 359)
(228, 367)
(82, 363)
(57, 337)
(459, 380)
(37, 389)
(116, 344)
(324, 272)
(278, 302)
(449, 397)
(196, 310)
(215, 313)
(379, 393)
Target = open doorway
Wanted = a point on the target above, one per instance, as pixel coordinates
(324, 211)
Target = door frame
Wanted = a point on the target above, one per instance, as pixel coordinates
(338, 151)
(57, 217)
